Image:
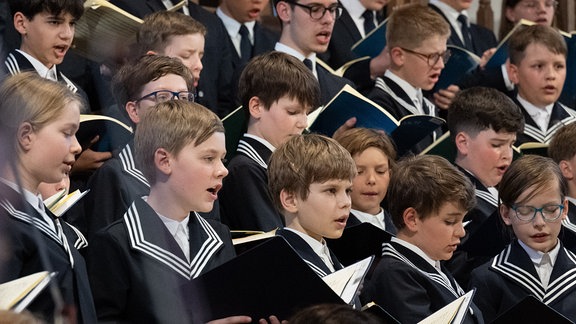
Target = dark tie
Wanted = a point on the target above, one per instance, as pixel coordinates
(465, 32)
(368, 21)
(308, 64)
(245, 45)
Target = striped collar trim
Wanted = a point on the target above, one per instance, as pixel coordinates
(569, 225)
(546, 137)
(23, 217)
(129, 166)
(14, 68)
(556, 288)
(486, 196)
(389, 250)
(381, 84)
(317, 269)
(181, 266)
(247, 149)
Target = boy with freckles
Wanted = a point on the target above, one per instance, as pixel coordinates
(428, 199)
(538, 69)
(310, 180)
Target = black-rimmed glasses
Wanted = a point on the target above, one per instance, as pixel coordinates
(167, 95)
(527, 213)
(317, 11)
(431, 59)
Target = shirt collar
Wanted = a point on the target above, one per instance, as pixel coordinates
(40, 68)
(534, 110)
(354, 8)
(172, 224)
(377, 220)
(261, 140)
(319, 247)
(536, 256)
(233, 26)
(412, 92)
(416, 250)
(449, 12)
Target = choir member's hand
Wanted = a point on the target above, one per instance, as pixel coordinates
(444, 97)
(232, 320)
(379, 64)
(486, 56)
(90, 160)
(349, 124)
(271, 320)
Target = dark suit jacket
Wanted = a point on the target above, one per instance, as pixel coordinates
(137, 268)
(560, 116)
(353, 221)
(264, 41)
(214, 89)
(330, 84)
(23, 230)
(500, 285)
(482, 38)
(344, 35)
(245, 202)
(411, 289)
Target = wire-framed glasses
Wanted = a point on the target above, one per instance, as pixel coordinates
(433, 58)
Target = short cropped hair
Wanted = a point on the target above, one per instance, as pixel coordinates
(172, 125)
(31, 8)
(530, 171)
(158, 28)
(27, 97)
(426, 183)
(546, 36)
(477, 109)
(563, 143)
(358, 140)
(306, 159)
(410, 25)
(129, 81)
(273, 75)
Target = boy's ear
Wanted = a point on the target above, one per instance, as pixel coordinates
(284, 11)
(132, 110)
(566, 169)
(162, 161)
(410, 217)
(20, 23)
(255, 107)
(397, 56)
(462, 140)
(288, 201)
(25, 136)
(505, 214)
(512, 72)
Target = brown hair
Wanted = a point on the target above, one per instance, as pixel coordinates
(172, 125)
(476, 109)
(306, 159)
(425, 183)
(159, 27)
(357, 140)
(535, 34)
(410, 25)
(563, 143)
(274, 75)
(530, 171)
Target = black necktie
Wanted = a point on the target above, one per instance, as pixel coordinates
(308, 64)
(368, 21)
(245, 44)
(465, 32)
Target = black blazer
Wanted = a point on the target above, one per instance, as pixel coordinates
(511, 276)
(330, 84)
(344, 35)
(214, 89)
(560, 116)
(482, 38)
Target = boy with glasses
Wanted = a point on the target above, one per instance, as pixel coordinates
(306, 31)
(533, 193)
(416, 39)
(137, 87)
